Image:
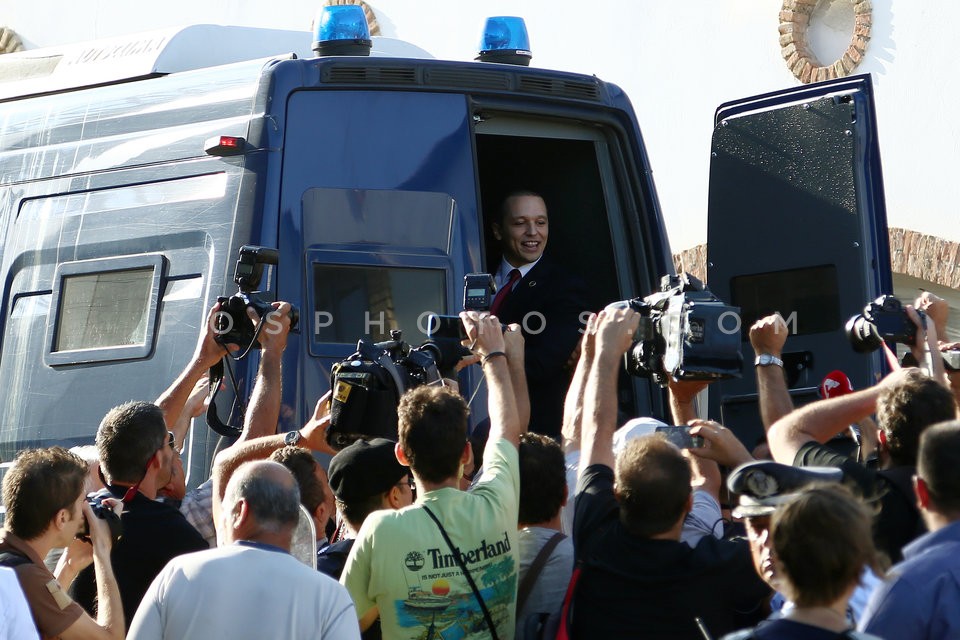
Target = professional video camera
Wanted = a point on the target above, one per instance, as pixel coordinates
(234, 326)
(103, 512)
(683, 333)
(882, 320)
(367, 385)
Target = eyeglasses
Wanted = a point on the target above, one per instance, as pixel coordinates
(409, 481)
(172, 441)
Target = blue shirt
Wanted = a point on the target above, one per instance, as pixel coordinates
(920, 598)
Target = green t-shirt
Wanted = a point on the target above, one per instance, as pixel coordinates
(401, 564)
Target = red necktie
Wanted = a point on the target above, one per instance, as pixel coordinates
(504, 292)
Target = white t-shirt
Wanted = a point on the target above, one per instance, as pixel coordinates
(16, 621)
(239, 591)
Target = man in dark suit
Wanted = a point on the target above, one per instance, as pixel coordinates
(544, 299)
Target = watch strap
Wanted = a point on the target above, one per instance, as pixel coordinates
(765, 360)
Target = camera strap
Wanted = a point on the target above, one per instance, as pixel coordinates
(466, 574)
(215, 377)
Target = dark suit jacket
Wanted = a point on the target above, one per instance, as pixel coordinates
(560, 297)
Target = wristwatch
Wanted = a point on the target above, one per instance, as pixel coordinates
(765, 360)
(292, 438)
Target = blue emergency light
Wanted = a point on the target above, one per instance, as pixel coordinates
(505, 40)
(341, 30)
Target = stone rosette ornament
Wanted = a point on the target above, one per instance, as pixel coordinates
(794, 20)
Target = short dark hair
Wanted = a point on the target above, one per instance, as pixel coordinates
(938, 462)
(432, 424)
(904, 411)
(40, 483)
(653, 485)
(356, 511)
(303, 466)
(129, 435)
(822, 540)
(516, 193)
(543, 478)
(271, 492)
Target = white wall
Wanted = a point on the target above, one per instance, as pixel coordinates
(676, 59)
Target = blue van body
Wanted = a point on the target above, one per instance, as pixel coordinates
(374, 177)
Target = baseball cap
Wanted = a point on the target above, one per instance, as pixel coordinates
(764, 485)
(634, 429)
(364, 469)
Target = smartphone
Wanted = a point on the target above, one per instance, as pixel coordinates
(448, 327)
(680, 436)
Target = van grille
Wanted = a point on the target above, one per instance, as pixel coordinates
(370, 75)
(461, 78)
(560, 88)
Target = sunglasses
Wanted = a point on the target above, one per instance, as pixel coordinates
(132, 491)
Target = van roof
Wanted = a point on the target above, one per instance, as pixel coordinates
(160, 52)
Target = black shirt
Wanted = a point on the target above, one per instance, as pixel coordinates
(898, 521)
(633, 587)
(153, 534)
(333, 558)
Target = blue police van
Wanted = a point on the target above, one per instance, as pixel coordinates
(132, 172)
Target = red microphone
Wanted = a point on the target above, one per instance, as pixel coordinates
(836, 384)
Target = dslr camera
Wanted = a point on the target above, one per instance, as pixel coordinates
(682, 333)
(883, 320)
(234, 326)
(104, 512)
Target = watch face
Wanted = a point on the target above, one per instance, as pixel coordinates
(292, 437)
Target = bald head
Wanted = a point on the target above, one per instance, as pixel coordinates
(270, 493)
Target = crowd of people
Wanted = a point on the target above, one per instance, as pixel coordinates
(570, 526)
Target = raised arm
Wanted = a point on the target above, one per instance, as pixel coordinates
(488, 342)
(767, 336)
(573, 404)
(207, 354)
(514, 348)
(614, 334)
(819, 421)
(263, 410)
(313, 436)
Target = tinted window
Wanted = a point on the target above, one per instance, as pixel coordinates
(812, 294)
(354, 302)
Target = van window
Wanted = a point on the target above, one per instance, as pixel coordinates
(812, 294)
(377, 299)
(104, 309)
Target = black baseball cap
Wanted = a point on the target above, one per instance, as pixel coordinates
(364, 469)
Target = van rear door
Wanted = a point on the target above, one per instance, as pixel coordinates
(797, 224)
(378, 220)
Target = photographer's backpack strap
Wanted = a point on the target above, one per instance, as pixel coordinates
(529, 580)
(466, 573)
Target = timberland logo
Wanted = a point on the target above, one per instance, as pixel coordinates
(442, 559)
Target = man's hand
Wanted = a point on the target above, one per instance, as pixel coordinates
(513, 343)
(719, 444)
(209, 351)
(615, 331)
(936, 309)
(98, 528)
(276, 328)
(483, 333)
(314, 432)
(768, 335)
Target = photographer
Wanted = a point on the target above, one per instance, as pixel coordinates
(630, 510)
(187, 398)
(405, 567)
(906, 403)
(43, 494)
(138, 458)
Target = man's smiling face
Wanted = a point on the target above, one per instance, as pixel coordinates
(522, 231)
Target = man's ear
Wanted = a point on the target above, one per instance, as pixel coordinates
(392, 498)
(467, 455)
(61, 518)
(922, 492)
(401, 456)
(495, 227)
